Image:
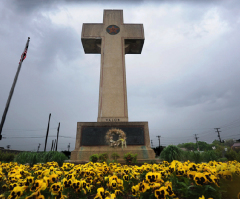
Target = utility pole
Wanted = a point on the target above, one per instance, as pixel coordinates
(52, 145)
(38, 147)
(197, 141)
(217, 131)
(152, 143)
(57, 135)
(47, 132)
(159, 142)
(68, 146)
(23, 56)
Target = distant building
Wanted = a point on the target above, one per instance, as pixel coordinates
(236, 145)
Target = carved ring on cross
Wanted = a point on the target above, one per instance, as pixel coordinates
(113, 29)
(121, 138)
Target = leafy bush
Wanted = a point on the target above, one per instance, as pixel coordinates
(197, 158)
(232, 155)
(222, 160)
(115, 156)
(6, 157)
(103, 157)
(130, 158)
(171, 153)
(94, 158)
(209, 156)
(43, 157)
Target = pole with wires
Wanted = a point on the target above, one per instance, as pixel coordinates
(217, 131)
(197, 142)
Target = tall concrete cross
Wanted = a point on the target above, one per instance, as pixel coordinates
(112, 39)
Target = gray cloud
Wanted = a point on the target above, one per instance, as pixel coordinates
(184, 82)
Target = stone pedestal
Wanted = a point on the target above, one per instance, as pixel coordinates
(90, 139)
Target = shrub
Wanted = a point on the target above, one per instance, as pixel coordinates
(103, 157)
(6, 157)
(43, 157)
(130, 158)
(197, 158)
(231, 155)
(171, 153)
(115, 156)
(94, 158)
(209, 156)
(222, 160)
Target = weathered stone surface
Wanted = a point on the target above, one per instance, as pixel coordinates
(127, 39)
(81, 153)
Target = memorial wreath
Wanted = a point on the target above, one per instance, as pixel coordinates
(121, 138)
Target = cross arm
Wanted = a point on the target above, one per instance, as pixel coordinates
(134, 38)
(91, 38)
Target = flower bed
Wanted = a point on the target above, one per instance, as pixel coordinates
(99, 180)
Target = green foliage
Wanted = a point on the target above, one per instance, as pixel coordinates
(42, 157)
(171, 153)
(197, 158)
(103, 157)
(210, 156)
(222, 160)
(115, 156)
(189, 146)
(130, 158)
(203, 146)
(94, 158)
(232, 155)
(6, 157)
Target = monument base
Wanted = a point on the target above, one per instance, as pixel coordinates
(90, 139)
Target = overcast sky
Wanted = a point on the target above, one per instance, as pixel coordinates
(185, 82)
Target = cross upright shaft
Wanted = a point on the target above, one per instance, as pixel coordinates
(112, 39)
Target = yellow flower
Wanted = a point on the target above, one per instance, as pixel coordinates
(53, 178)
(202, 197)
(126, 178)
(55, 188)
(135, 190)
(11, 186)
(101, 192)
(113, 184)
(160, 193)
(16, 192)
(67, 183)
(38, 185)
(76, 184)
(143, 187)
(200, 179)
(118, 192)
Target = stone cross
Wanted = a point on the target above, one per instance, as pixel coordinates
(112, 39)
